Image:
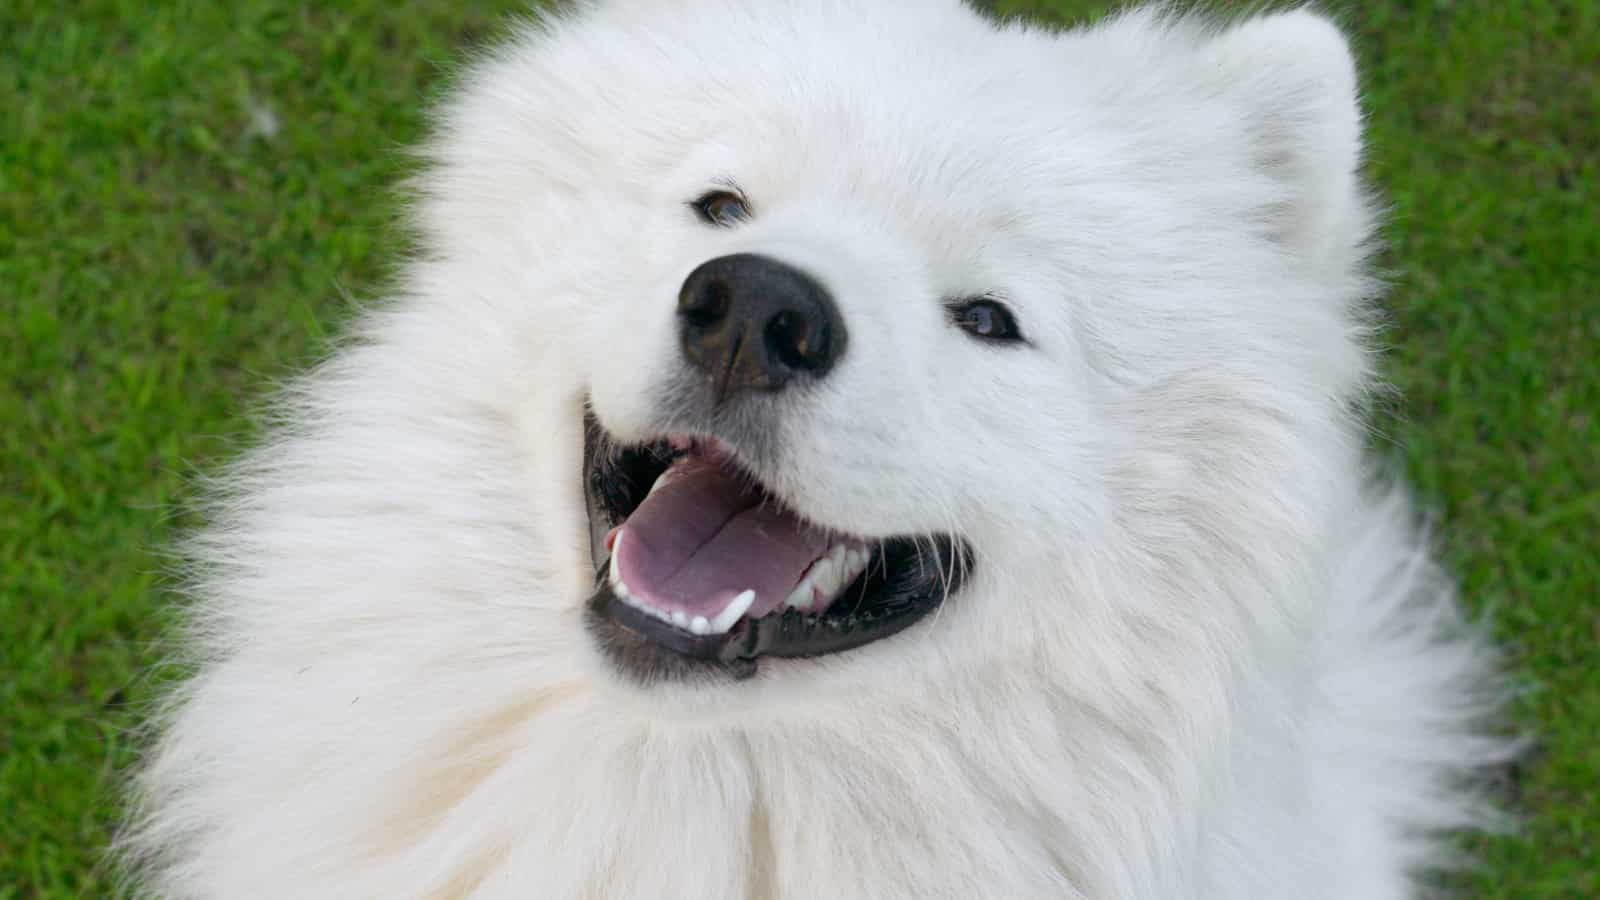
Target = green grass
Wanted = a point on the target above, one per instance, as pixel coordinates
(162, 258)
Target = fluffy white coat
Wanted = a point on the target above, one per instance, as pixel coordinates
(1201, 655)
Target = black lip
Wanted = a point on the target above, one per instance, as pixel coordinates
(906, 579)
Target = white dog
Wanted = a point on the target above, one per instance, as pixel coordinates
(833, 448)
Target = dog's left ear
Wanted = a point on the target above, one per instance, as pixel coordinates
(1292, 80)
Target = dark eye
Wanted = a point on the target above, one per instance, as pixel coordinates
(723, 208)
(985, 318)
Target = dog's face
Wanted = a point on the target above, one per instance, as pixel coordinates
(904, 323)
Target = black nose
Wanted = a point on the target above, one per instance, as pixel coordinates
(752, 323)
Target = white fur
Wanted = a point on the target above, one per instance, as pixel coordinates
(1200, 654)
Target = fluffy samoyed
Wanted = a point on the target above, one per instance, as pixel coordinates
(834, 449)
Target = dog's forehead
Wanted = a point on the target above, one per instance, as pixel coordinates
(898, 78)
(935, 130)
(942, 129)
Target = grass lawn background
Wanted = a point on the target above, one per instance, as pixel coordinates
(192, 191)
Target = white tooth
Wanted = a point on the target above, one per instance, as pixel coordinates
(828, 575)
(732, 613)
(805, 593)
(827, 582)
(800, 597)
(680, 619)
(839, 576)
(615, 574)
(699, 625)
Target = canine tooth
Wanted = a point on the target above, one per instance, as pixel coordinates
(699, 625)
(732, 613)
(680, 619)
(822, 579)
(804, 594)
(800, 597)
(615, 572)
(841, 577)
(827, 582)
(828, 575)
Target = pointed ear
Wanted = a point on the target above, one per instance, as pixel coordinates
(1292, 79)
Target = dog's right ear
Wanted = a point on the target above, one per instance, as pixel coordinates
(1290, 80)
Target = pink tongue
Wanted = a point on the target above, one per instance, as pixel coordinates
(700, 539)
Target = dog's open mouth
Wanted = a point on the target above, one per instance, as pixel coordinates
(697, 562)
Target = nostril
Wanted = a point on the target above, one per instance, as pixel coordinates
(798, 341)
(709, 304)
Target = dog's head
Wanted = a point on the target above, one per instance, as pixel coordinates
(882, 321)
